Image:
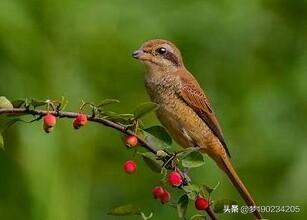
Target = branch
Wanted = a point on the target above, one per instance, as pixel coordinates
(62, 114)
(211, 213)
(100, 120)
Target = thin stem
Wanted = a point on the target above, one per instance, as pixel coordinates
(93, 118)
(211, 213)
(62, 114)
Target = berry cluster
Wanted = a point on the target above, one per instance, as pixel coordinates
(174, 178)
(130, 165)
(162, 194)
(49, 121)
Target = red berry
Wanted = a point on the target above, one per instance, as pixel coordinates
(129, 166)
(157, 192)
(201, 203)
(49, 122)
(79, 121)
(165, 197)
(174, 178)
(131, 140)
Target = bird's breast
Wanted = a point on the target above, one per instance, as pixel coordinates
(185, 126)
(161, 89)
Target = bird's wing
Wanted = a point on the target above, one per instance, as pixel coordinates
(194, 97)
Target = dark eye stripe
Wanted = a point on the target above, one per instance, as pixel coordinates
(171, 57)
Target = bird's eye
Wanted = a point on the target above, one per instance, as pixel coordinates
(161, 50)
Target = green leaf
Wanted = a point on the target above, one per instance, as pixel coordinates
(1, 142)
(107, 102)
(185, 152)
(161, 154)
(36, 103)
(5, 103)
(198, 216)
(192, 191)
(116, 116)
(194, 159)
(125, 210)
(192, 195)
(125, 116)
(110, 114)
(151, 162)
(144, 217)
(144, 109)
(218, 206)
(153, 141)
(17, 103)
(63, 103)
(209, 189)
(7, 122)
(191, 188)
(182, 206)
(160, 132)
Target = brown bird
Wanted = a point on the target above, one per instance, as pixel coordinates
(184, 108)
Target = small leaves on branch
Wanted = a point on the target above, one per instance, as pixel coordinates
(107, 102)
(193, 160)
(125, 210)
(160, 156)
(160, 132)
(152, 140)
(144, 109)
(182, 206)
(151, 161)
(5, 103)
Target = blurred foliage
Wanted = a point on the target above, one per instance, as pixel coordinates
(251, 56)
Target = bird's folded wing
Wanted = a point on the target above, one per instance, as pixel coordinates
(194, 97)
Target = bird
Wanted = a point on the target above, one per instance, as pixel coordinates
(184, 109)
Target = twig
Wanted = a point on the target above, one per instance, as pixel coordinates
(93, 118)
(62, 114)
(211, 213)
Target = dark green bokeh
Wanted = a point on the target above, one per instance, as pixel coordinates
(251, 56)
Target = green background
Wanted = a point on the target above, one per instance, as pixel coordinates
(249, 55)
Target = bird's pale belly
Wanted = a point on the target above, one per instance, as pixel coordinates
(183, 123)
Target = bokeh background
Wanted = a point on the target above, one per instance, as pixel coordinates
(251, 56)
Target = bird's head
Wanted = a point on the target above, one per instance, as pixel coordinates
(159, 54)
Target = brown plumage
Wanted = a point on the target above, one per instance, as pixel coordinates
(184, 108)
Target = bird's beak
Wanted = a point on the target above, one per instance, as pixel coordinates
(138, 54)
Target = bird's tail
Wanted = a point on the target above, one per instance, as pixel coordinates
(226, 165)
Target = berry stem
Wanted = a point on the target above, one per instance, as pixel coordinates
(211, 213)
(106, 122)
